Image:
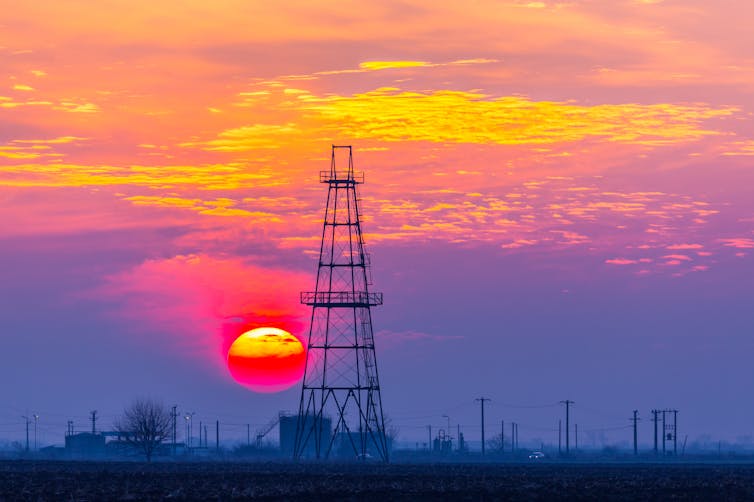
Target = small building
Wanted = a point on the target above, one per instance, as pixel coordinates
(85, 445)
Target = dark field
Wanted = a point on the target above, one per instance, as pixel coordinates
(26, 480)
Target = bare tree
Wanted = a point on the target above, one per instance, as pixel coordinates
(496, 443)
(391, 429)
(145, 425)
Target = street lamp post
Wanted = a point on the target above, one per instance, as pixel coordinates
(188, 431)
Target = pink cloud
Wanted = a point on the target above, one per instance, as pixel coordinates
(684, 246)
(518, 243)
(201, 303)
(739, 242)
(621, 261)
(677, 257)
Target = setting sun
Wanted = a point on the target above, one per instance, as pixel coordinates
(266, 359)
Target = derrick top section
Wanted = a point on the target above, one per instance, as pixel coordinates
(343, 175)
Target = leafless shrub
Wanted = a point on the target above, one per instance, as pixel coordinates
(145, 425)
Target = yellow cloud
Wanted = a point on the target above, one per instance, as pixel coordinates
(34, 148)
(204, 177)
(10, 152)
(254, 137)
(740, 148)
(217, 207)
(384, 65)
(54, 141)
(464, 117)
(369, 66)
(66, 106)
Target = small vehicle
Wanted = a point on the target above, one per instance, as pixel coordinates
(536, 455)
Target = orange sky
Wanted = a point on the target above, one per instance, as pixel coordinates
(516, 124)
(616, 133)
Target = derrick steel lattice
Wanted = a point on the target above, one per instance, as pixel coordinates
(340, 411)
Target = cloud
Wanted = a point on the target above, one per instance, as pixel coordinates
(23, 149)
(372, 66)
(738, 242)
(739, 149)
(389, 114)
(198, 304)
(253, 137)
(677, 257)
(621, 261)
(60, 140)
(217, 207)
(519, 243)
(684, 246)
(58, 105)
(386, 65)
(203, 177)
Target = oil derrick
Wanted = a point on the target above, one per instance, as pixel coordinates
(340, 411)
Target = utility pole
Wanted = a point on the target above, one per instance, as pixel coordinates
(174, 416)
(481, 402)
(27, 432)
(675, 432)
(635, 419)
(568, 404)
(248, 434)
(200, 435)
(191, 429)
(516, 439)
(93, 418)
(513, 437)
(36, 420)
(663, 433)
(654, 419)
(502, 436)
(217, 435)
(429, 444)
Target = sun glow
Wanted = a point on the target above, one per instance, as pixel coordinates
(266, 359)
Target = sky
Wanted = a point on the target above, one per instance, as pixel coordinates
(559, 204)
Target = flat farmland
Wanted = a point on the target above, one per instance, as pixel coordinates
(94, 481)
